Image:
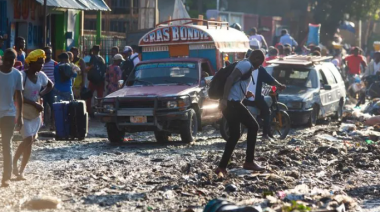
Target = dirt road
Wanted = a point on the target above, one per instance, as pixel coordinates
(141, 175)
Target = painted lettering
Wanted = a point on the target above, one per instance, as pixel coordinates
(165, 32)
(159, 36)
(175, 34)
(196, 34)
(146, 39)
(190, 33)
(152, 37)
(183, 32)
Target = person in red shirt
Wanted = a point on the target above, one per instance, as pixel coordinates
(354, 61)
(273, 54)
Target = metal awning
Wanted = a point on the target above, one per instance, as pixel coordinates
(98, 5)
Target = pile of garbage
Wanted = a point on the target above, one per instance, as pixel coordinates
(301, 199)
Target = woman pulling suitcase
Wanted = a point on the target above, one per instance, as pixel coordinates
(34, 80)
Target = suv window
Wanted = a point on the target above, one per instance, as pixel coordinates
(329, 76)
(335, 72)
(292, 76)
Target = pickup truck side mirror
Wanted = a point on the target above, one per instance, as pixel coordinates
(327, 87)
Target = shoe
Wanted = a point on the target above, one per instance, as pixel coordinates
(4, 183)
(222, 173)
(270, 135)
(253, 166)
(266, 138)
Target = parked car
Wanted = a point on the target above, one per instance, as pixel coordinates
(315, 89)
(165, 96)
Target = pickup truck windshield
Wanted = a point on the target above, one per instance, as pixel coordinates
(179, 73)
(292, 76)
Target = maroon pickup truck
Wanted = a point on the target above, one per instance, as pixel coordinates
(164, 96)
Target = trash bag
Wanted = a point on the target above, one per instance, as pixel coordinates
(314, 31)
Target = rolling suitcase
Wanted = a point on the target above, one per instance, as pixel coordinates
(62, 124)
(78, 118)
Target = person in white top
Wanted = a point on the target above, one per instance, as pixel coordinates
(373, 67)
(33, 81)
(256, 41)
(10, 93)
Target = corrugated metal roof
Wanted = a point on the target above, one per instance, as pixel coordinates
(77, 4)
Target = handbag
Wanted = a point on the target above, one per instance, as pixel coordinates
(29, 112)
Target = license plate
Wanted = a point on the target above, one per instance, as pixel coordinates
(138, 119)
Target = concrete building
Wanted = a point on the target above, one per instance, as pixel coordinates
(64, 21)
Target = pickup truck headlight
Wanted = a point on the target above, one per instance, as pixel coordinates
(171, 104)
(108, 108)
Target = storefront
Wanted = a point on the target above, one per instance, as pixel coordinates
(64, 22)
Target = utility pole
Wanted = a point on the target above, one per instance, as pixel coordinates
(45, 23)
(217, 5)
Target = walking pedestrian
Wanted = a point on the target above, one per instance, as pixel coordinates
(64, 76)
(33, 82)
(20, 47)
(10, 89)
(257, 41)
(79, 82)
(235, 90)
(287, 39)
(48, 98)
(113, 74)
(131, 60)
(96, 77)
(353, 63)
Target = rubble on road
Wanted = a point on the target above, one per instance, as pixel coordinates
(142, 175)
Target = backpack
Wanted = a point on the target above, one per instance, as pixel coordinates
(96, 73)
(216, 88)
(128, 67)
(65, 71)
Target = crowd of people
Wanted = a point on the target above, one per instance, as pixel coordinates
(31, 83)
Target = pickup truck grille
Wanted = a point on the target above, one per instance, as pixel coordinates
(136, 104)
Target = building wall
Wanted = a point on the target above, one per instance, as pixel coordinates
(24, 20)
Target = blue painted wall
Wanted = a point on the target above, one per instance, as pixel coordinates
(155, 55)
(205, 53)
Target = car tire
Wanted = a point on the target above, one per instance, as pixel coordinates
(189, 128)
(114, 134)
(162, 136)
(224, 131)
(313, 116)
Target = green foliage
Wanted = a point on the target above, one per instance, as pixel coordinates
(194, 10)
(330, 13)
(296, 207)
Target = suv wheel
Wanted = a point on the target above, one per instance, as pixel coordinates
(161, 136)
(114, 134)
(189, 128)
(313, 116)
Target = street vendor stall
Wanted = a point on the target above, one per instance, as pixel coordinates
(195, 39)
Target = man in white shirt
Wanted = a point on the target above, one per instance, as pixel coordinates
(256, 41)
(10, 93)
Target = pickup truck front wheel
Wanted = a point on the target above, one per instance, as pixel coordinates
(114, 134)
(189, 128)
